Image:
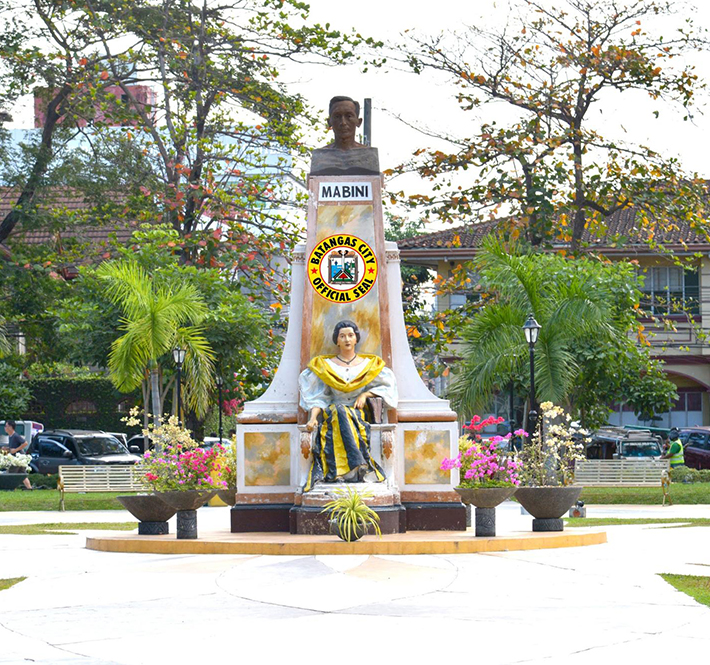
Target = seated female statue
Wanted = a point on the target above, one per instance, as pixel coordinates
(336, 387)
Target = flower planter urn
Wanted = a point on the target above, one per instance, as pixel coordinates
(229, 495)
(186, 502)
(485, 499)
(9, 481)
(547, 505)
(151, 512)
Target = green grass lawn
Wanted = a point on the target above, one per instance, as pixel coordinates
(621, 521)
(49, 500)
(681, 493)
(696, 586)
(6, 584)
(64, 528)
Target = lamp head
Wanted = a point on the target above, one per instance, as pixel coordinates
(179, 356)
(531, 328)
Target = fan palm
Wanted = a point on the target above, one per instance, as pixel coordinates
(569, 304)
(157, 318)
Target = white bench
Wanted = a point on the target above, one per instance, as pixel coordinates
(619, 472)
(99, 478)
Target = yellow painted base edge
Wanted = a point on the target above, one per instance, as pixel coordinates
(371, 545)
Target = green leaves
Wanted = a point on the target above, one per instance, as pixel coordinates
(157, 318)
(586, 355)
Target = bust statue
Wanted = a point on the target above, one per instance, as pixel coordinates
(345, 156)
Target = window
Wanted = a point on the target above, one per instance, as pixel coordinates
(82, 406)
(49, 448)
(695, 439)
(670, 290)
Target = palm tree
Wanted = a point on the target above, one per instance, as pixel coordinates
(570, 304)
(157, 318)
(5, 346)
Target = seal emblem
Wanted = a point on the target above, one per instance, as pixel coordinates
(342, 268)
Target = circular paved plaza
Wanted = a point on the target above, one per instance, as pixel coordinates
(597, 604)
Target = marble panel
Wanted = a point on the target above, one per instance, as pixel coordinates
(423, 451)
(267, 458)
(357, 220)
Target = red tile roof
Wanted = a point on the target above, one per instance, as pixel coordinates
(69, 203)
(622, 236)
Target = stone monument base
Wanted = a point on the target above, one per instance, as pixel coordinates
(308, 518)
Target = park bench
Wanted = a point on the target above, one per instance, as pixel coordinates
(619, 472)
(99, 478)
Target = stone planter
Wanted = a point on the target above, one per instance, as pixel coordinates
(187, 499)
(547, 505)
(229, 496)
(485, 499)
(186, 503)
(151, 511)
(10, 481)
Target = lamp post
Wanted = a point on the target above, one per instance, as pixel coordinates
(531, 328)
(220, 382)
(179, 358)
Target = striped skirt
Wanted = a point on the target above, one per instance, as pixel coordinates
(342, 443)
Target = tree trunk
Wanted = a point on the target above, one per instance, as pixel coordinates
(39, 168)
(155, 392)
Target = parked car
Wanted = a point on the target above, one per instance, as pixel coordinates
(620, 443)
(138, 444)
(56, 448)
(121, 436)
(696, 447)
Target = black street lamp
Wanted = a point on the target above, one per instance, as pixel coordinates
(220, 382)
(531, 328)
(179, 358)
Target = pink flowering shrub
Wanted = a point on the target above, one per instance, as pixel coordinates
(177, 467)
(481, 462)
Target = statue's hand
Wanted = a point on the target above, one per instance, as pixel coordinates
(312, 424)
(361, 399)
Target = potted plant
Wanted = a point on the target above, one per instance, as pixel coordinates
(548, 459)
(350, 517)
(14, 468)
(488, 476)
(180, 473)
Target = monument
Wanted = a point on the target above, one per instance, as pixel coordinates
(346, 277)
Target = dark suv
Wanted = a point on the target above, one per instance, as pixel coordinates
(696, 447)
(62, 447)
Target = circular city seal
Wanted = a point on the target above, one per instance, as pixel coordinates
(342, 268)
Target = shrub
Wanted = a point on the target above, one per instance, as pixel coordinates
(40, 480)
(684, 474)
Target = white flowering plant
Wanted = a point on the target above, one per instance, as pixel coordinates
(548, 456)
(8, 461)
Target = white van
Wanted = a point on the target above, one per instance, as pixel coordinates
(27, 429)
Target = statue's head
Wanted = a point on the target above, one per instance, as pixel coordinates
(345, 324)
(338, 99)
(344, 118)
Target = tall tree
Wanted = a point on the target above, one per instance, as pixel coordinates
(551, 168)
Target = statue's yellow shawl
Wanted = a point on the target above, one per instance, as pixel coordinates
(370, 370)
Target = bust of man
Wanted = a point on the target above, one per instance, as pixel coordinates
(344, 156)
